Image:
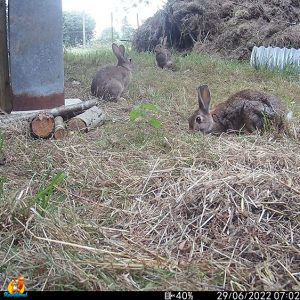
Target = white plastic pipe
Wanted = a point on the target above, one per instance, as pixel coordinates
(275, 57)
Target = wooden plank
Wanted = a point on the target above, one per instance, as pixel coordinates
(5, 90)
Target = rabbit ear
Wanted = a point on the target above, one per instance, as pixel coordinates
(203, 98)
(122, 49)
(116, 50)
(165, 41)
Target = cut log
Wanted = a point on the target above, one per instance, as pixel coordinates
(10, 120)
(60, 129)
(87, 120)
(42, 126)
(77, 124)
(73, 110)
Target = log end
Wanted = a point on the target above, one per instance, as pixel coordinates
(76, 124)
(42, 126)
(59, 134)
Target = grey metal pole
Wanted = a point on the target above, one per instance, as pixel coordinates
(112, 28)
(83, 29)
(37, 66)
(137, 20)
(5, 91)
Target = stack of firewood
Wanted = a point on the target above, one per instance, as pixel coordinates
(58, 121)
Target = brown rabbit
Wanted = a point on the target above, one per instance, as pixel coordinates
(110, 81)
(163, 55)
(245, 111)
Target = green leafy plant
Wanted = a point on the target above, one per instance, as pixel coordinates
(267, 124)
(145, 112)
(46, 192)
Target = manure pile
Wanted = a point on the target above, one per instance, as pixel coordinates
(228, 28)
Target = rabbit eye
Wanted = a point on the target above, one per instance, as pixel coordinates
(130, 60)
(198, 120)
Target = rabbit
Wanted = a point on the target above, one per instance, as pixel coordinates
(163, 55)
(245, 112)
(110, 81)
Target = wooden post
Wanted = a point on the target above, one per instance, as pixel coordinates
(83, 29)
(112, 28)
(5, 90)
(137, 20)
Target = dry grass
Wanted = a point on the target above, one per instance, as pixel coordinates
(147, 209)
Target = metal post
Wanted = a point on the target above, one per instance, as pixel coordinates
(5, 91)
(36, 54)
(112, 28)
(83, 29)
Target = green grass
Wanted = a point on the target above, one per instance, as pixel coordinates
(129, 206)
(45, 193)
(223, 76)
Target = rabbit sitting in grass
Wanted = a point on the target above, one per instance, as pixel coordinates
(110, 82)
(163, 55)
(245, 111)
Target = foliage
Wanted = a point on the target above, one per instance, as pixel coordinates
(127, 30)
(143, 111)
(72, 28)
(127, 4)
(45, 192)
(106, 35)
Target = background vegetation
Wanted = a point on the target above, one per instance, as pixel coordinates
(73, 31)
(72, 28)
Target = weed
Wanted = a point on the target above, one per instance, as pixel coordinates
(45, 193)
(141, 112)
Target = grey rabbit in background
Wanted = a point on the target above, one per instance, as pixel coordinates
(163, 55)
(110, 81)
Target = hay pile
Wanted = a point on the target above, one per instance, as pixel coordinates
(226, 218)
(229, 28)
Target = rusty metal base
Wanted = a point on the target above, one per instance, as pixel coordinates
(29, 102)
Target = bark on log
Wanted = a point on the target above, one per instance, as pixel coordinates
(87, 120)
(42, 126)
(60, 129)
(73, 110)
(12, 120)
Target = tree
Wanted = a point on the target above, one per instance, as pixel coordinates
(126, 30)
(72, 28)
(106, 35)
(134, 3)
